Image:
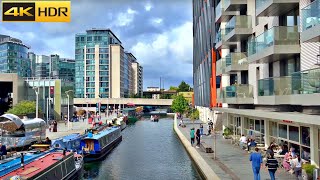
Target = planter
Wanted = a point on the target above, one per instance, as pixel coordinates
(227, 137)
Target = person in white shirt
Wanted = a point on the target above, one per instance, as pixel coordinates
(296, 165)
(243, 141)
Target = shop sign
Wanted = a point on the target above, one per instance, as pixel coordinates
(287, 121)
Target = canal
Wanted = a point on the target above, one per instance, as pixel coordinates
(149, 150)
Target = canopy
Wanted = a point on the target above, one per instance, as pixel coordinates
(12, 118)
(130, 104)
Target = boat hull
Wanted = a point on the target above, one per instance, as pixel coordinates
(99, 156)
(75, 175)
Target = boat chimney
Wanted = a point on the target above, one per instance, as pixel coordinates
(22, 160)
(64, 152)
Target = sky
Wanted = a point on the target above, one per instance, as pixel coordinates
(157, 32)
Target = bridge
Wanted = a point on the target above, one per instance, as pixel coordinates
(123, 101)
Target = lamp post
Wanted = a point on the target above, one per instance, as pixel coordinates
(67, 93)
(87, 112)
(37, 100)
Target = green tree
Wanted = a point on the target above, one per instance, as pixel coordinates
(184, 87)
(179, 104)
(173, 88)
(24, 108)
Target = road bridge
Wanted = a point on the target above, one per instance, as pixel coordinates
(123, 101)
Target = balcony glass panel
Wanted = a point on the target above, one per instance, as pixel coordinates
(310, 15)
(238, 22)
(238, 91)
(279, 35)
(274, 86)
(219, 67)
(219, 10)
(261, 3)
(237, 58)
(306, 82)
(220, 35)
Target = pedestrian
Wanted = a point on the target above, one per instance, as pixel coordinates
(201, 129)
(65, 121)
(243, 141)
(296, 162)
(209, 130)
(192, 136)
(198, 138)
(256, 159)
(272, 165)
(55, 126)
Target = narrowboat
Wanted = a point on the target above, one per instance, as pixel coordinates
(70, 142)
(121, 123)
(54, 165)
(96, 146)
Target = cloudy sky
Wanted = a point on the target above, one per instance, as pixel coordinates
(157, 32)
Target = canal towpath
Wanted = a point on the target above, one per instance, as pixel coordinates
(231, 162)
(75, 127)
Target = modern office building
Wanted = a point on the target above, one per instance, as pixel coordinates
(33, 58)
(14, 56)
(103, 68)
(43, 69)
(267, 55)
(137, 75)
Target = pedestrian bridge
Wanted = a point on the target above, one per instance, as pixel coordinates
(136, 101)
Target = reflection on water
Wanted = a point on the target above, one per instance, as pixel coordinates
(149, 150)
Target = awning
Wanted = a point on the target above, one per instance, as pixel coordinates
(130, 104)
(13, 118)
(290, 116)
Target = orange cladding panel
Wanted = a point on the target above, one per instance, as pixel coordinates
(213, 82)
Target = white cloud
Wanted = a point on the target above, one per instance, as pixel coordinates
(148, 6)
(156, 21)
(125, 18)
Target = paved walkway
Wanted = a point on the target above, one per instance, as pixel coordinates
(231, 162)
(75, 127)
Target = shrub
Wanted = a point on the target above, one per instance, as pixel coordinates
(309, 170)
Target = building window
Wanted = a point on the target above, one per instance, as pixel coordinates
(273, 129)
(305, 135)
(294, 133)
(283, 131)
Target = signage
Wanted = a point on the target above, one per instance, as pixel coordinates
(287, 121)
(51, 90)
(36, 11)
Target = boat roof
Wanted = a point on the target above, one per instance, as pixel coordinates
(70, 137)
(102, 133)
(37, 165)
(31, 121)
(12, 118)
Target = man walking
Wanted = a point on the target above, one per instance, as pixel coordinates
(192, 136)
(256, 159)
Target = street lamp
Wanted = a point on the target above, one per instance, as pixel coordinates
(36, 90)
(67, 93)
(87, 112)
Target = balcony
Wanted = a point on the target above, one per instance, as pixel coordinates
(236, 62)
(310, 16)
(238, 94)
(220, 42)
(220, 66)
(277, 43)
(275, 7)
(234, 5)
(238, 28)
(219, 96)
(222, 15)
(301, 88)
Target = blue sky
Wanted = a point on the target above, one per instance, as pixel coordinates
(157, 32)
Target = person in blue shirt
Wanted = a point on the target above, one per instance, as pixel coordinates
(192, 136)
(256, 159)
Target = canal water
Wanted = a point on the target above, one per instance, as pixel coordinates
(149, 150)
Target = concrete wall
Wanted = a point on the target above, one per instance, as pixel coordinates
(115, 58)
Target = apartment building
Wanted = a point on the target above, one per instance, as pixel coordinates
(103, 68)
(267, 55)
(14, 56)
(137, 75)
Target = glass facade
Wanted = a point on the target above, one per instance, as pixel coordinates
(14, 57)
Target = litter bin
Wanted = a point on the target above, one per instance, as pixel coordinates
(316, 173)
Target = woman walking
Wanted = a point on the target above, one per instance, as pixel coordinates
(272, 165)
(192, 136)
(198, 138)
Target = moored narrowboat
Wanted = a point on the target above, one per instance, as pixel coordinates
(94, 147)
(70, 142)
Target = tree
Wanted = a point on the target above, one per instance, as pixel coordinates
(24, 108)
(179, 104)
(183, 87)
(173, 88)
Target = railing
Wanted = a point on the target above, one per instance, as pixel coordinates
(237, 58)
(219, 67)
(220, 35)
(310, 15)
(226, 4)
(306, 82)
(274, 86)
(238, 91)
(238, 22)
(279, 35)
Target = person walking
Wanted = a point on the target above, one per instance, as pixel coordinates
(201, 129)
(198, 138)
(192, 136)
(256, 159)
(272, 165)
(296, 162)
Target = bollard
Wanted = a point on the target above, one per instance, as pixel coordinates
(316, 173)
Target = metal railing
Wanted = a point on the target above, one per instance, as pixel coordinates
(236, 58)
(238, 22)
(238, 91)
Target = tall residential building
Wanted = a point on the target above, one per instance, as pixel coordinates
(137, 75)
(43, 64)
(266, 54)
(14, 56)
(103, 69)
(32, 57)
